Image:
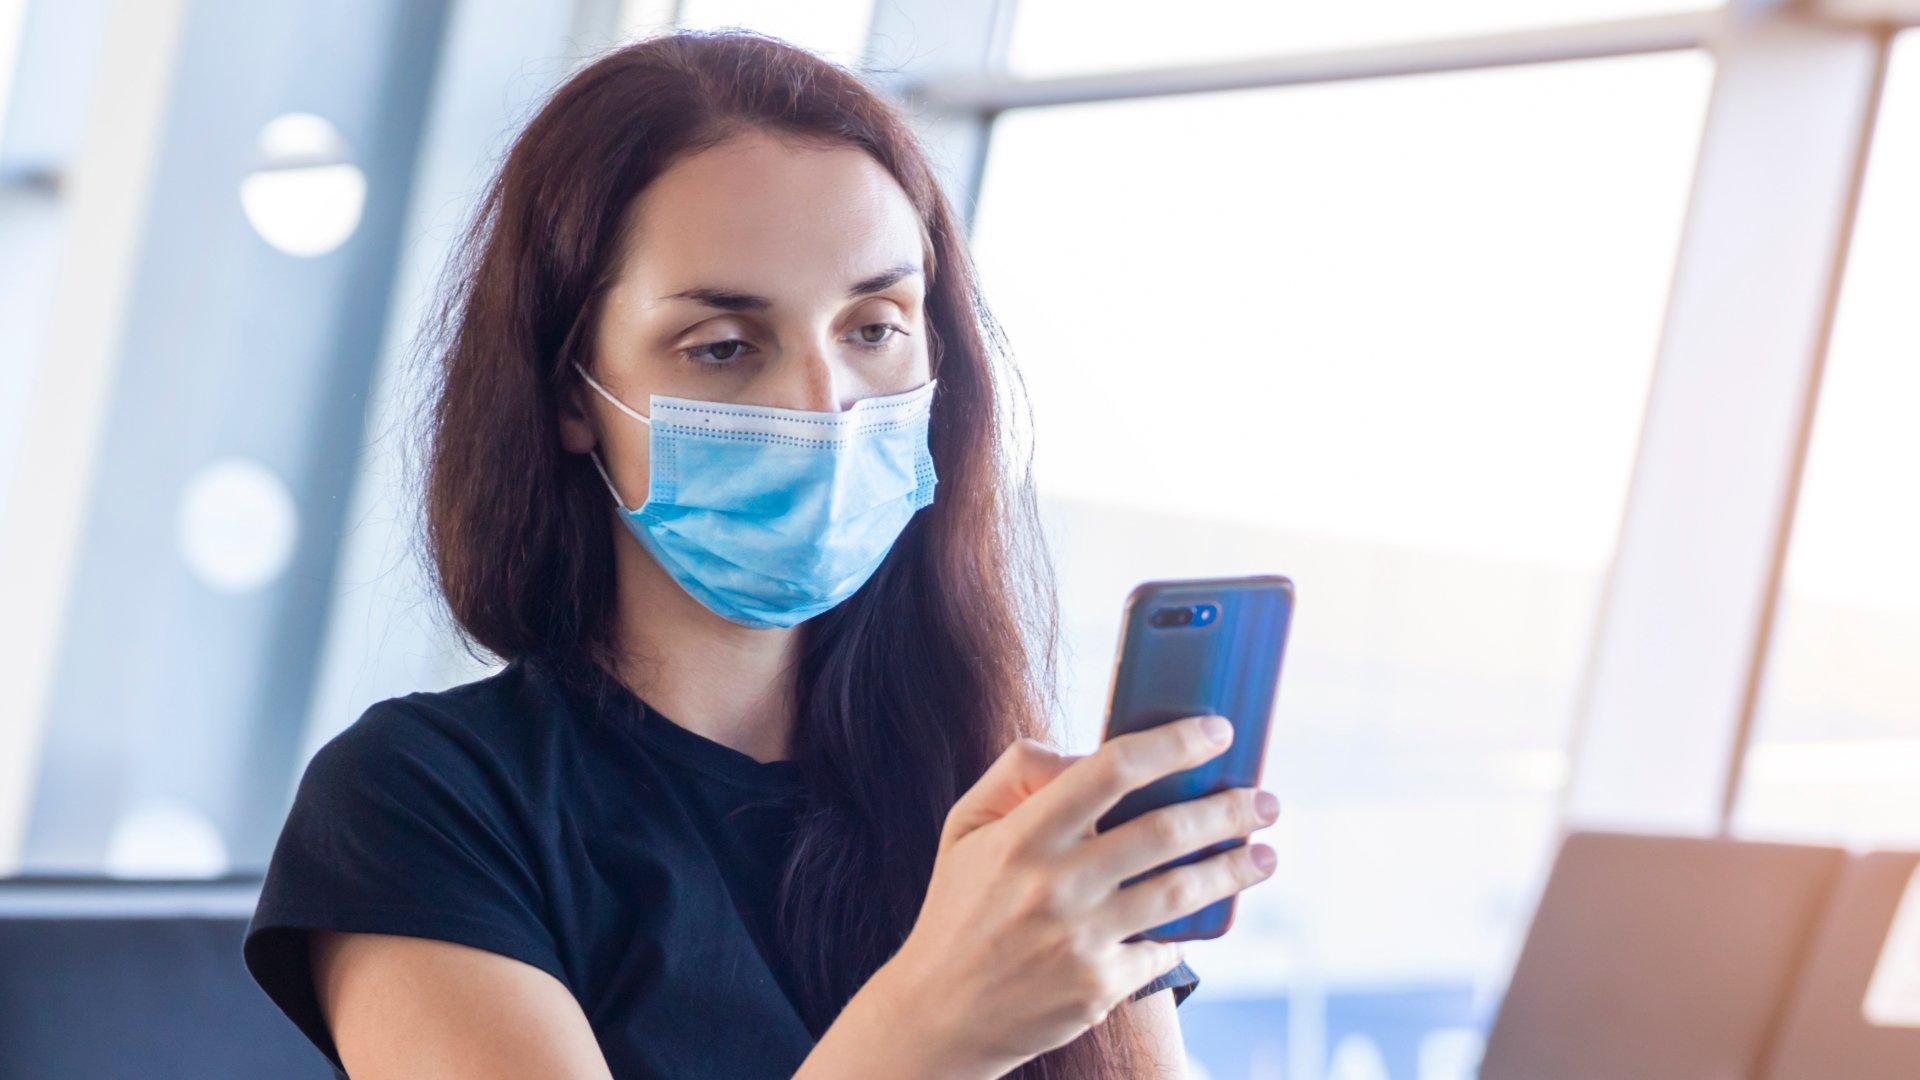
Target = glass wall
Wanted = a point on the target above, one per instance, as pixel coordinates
(1836, 751)
(1393, 339)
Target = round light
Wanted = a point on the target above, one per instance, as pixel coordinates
(306, 196)
(236, 525)
(165, 838)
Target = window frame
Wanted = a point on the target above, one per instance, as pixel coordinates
(1666, 710)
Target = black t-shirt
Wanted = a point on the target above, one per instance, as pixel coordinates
(631, 858)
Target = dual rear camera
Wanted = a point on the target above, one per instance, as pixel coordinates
(1184, 615)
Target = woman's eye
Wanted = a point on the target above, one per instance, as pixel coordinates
(873, 337)
(877, 342)
(723, 352)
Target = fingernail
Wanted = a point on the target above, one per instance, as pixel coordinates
(1267, 804)
(1218, 728)
(1264, 858)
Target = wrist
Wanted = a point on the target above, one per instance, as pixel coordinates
(892, 1028)
(913, 1021)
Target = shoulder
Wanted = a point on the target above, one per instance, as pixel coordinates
(427, 817)
(432, 811)
(493, 730)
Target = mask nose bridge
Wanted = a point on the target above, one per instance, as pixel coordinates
(605, 393)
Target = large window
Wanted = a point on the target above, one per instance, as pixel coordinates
(1394, 335)
(1836, 754)
(1391, 338)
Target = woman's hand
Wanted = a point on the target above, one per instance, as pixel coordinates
(1020, 944)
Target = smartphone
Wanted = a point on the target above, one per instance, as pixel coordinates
(1202, 645)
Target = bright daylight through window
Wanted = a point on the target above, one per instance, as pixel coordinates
(1408, 370)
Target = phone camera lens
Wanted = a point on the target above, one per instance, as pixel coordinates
(1171, 616)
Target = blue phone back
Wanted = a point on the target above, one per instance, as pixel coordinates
(1230, 666)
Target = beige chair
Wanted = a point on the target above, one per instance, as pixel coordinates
(1660, 958)
(1825, 1033)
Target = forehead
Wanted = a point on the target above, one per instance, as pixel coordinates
(770, 216)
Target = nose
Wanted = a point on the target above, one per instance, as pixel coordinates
(816, 382)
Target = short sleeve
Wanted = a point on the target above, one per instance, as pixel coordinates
(1180, 978)
(399, 825)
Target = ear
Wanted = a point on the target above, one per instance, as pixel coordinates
(577, 435)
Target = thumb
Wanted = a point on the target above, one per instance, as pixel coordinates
(1024, 767)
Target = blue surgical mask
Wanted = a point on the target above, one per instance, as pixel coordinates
(771, 516)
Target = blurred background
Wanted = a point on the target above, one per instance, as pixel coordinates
(1565, 353)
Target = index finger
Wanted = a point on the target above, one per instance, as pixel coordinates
(1071, 804)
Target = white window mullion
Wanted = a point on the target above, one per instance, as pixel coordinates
(1676, 655)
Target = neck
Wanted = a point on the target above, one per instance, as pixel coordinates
(730, 683)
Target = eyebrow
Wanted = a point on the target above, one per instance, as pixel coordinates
(733, 300)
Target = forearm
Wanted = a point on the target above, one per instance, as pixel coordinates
(1156, 1026)
(882, 1033)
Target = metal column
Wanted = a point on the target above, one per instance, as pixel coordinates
(169, 689)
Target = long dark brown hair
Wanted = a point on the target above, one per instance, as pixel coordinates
(908, 690)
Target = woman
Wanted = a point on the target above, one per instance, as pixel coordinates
(760, 789)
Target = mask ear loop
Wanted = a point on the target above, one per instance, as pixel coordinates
(602, 470)
(605, 393)
(595, 452)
